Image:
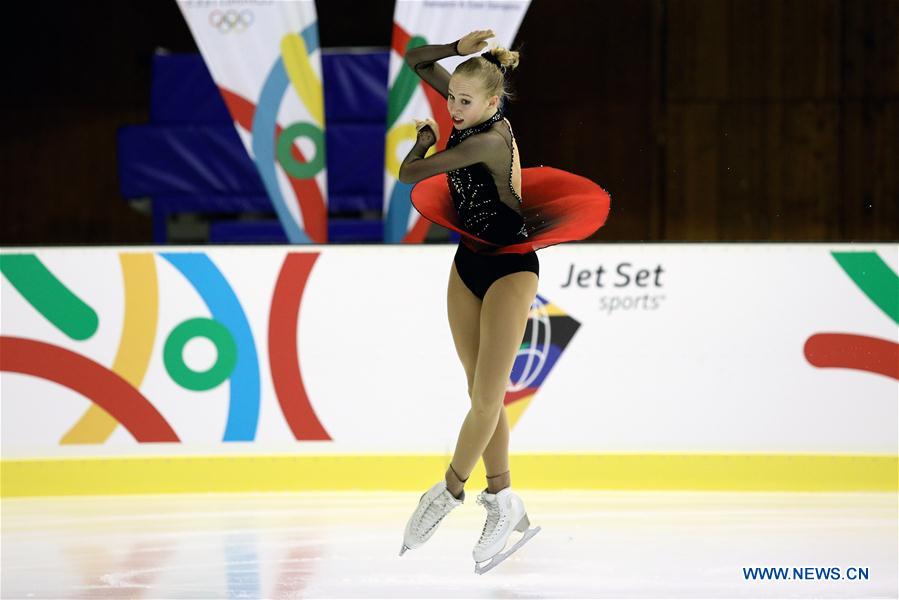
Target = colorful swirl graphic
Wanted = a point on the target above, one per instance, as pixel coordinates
(880, 284)
(49, 296)
(399, 207)
(135, 344)
(283, 326)
(114, 392)
(273, 145)
(213, 288)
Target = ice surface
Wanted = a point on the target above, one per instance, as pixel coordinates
(317, 545)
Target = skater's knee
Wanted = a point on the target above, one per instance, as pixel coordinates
(487, 407)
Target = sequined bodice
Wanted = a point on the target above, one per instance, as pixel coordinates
(476, 196)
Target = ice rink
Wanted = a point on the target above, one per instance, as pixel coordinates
(323, 545)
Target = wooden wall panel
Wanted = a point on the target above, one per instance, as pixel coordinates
(67, 191)
(742, 207)
(753, 48)
(584, 49)
(803, 180)
(870, 159)
(809, 48)
(619, 155)
(697, 60)
(782, 50)
(870, 49)
(755, 115)
(605, 142)
(584, 91)
(692, 162)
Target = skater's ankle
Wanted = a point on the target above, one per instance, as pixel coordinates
(454, 483)
(497, 483)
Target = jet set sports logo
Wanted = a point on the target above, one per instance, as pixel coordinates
(622, 279)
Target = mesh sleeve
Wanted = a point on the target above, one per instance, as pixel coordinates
(423, 61)
(476, 149)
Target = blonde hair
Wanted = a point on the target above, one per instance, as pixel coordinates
(493, 78)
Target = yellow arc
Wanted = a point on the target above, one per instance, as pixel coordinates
(135, 346)
(302, 76)
(396, 135)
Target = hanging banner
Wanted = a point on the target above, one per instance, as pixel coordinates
(264, 57)
(419, 24)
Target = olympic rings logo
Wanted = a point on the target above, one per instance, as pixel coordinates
(231, 20)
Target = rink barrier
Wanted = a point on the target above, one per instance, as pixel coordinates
(282, 473)
(685, 348)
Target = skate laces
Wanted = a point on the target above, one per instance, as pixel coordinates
(435, 512)
(493, 518)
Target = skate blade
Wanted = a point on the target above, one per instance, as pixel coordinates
(480, 570)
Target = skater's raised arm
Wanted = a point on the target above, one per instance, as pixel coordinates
(423, 59)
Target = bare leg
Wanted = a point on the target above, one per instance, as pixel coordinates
(504, 312)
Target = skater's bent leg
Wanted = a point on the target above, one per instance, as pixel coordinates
(476, 430)
(496, 455)
(504, 313)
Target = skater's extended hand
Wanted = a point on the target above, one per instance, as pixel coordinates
(428, 132)
(474, 41)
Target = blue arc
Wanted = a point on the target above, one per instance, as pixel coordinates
(213, 288)
(396, 225)
(265, 120)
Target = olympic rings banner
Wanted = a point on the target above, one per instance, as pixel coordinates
(420, 24)
(264, 57)
(629, 348)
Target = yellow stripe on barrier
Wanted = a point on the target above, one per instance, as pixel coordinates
(275, 473)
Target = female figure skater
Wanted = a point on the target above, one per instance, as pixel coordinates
(493, 278)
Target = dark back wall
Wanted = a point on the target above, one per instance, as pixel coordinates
(705, 119)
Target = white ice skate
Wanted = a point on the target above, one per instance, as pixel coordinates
(433, 505)
(505, 513)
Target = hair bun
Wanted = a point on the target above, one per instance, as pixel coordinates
(504, 59)
(490, 57)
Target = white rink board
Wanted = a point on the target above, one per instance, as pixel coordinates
(708, 355)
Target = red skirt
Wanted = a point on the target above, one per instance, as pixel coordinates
(557, 206)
